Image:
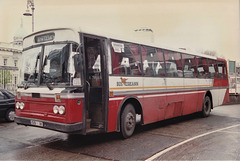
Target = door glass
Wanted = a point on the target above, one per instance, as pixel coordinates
(94, 66)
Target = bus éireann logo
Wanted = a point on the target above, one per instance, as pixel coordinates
(124, 82)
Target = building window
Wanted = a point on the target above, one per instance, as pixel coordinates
(15, 63)
(15, 80)
(5, 62)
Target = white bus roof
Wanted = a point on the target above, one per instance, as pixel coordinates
(71, 34)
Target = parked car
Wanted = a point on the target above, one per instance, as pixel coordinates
(7, 105)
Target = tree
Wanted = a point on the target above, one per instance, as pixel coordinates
(5, 77)
(210, 52)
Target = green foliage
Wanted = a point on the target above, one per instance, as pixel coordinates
(5, 77)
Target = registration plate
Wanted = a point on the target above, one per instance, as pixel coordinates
(36, 123)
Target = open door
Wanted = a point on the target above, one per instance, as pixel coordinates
(95, 86)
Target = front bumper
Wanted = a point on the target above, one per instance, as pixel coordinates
(62, 127)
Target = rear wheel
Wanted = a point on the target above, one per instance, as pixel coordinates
(207, 105)
(10, 114)
(128, 121)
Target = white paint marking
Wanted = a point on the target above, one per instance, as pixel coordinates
(186, 141)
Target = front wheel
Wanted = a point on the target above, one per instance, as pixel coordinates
(207, 105)
(128, 121)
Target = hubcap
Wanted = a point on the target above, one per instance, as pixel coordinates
(129, 121)
(206, 106)
(11, 115)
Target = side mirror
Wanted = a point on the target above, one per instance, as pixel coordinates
(77, 62)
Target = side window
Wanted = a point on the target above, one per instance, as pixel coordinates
(189, 66)
(2, 96)
(213, 69)
(153, 64)
(125, 59)
(173, 63)
(202, 67)
(222, 73)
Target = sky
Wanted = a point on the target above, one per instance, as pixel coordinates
(196, 25)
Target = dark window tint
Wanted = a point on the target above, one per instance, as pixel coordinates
(153, 64)
(173, 64)
(125, 59)
(189, 66)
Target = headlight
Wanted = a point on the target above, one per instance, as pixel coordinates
(55, 109)
(22, 105)
(61, 110)
(17, 105)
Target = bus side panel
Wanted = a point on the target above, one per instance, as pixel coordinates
(220, 83)
(154, 104)
(153, 108)
(220, 95)
(190, 103)
(174, 105)
(113, 109)
(191, 96)
(175, 99)
(226, 97)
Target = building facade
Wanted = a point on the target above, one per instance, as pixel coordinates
(10, 61)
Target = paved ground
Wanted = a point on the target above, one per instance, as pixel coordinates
(186, 138)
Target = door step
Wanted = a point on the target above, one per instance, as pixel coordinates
(88, 123)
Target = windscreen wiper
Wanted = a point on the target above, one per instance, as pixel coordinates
(49, 87)
(26, 86)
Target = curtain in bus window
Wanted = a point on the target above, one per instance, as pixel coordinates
(135, 68)
(115, 62)
(134, 51)
(161, 70)
(224, 70)
(202, 67)
(144, 55)
(178, 60)
(173, 64)
(205, 66)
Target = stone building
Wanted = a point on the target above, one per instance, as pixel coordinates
(10, 61)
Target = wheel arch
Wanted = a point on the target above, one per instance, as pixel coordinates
(137, 106)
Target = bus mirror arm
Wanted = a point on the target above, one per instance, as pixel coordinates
(88, 86)
(77, 62)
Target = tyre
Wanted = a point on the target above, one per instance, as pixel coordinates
(206, 107)
(128, 121)
(10, 114)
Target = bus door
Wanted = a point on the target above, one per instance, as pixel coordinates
(95, 83)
